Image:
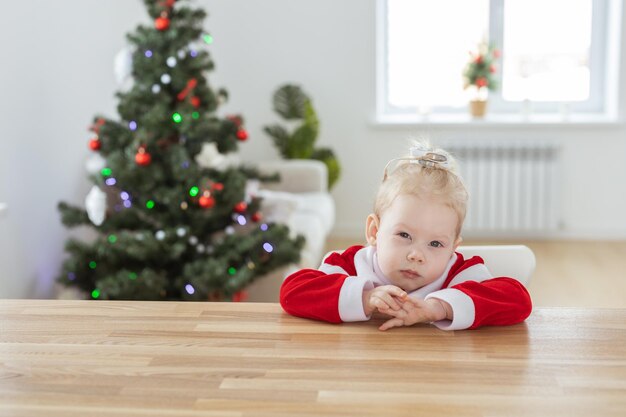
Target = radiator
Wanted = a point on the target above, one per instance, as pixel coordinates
(513, 186)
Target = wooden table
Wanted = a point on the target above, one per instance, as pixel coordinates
(98, 358)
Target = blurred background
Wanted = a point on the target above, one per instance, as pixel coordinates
(545, 164)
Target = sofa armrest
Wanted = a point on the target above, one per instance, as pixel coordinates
(296, 175)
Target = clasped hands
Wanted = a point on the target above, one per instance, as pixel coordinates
(395, 302)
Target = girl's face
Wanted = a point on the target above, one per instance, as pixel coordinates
(415, 238)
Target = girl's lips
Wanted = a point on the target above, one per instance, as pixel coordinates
(409, 273)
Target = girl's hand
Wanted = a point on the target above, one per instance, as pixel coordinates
(384, 298)
(417, 311)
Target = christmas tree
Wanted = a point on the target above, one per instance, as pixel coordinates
(173, 220)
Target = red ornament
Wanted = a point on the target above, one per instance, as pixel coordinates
(241, 207)
(195, 101)
(95, 144)
(479, 59)
(242, 134)
(206, 202)
(162, 23)
(96, 126)
(256, 217)
(240, 296)
(481, 82)
(236, 120)
(191, 84)
(142, 157)
(218, 186)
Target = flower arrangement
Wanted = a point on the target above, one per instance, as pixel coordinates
(480, 70)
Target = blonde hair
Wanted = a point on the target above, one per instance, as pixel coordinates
(424, 180)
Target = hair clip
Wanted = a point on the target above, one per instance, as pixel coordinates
(422, 156)
(429, 158)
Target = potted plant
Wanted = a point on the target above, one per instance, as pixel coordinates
(296, 108)
(479, 76)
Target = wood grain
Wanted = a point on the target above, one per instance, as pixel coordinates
(98, 358)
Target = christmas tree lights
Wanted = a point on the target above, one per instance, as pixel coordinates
(174, 220)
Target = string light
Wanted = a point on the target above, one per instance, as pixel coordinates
(71, 276)
(232, 270)
(177, 118)
(208, 39)
(110, 181)
(195, 115)
(132, 276)
(264, 227)
(124, 196)
(93, 264)
(268, 247)
(193, 53)
(112, 238)
(149, 204)
(127, 204)
(95, 294)
(241, 220)
(148, 53)
(106, 172)
(171, 62)
(193, 191)
(190, 289)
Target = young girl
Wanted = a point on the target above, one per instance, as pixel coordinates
(410, 271)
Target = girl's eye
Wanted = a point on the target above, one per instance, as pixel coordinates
(436, 244)
(404, 235)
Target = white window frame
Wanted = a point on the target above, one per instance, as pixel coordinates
(602, 105)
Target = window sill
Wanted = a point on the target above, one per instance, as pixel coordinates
(498, 120)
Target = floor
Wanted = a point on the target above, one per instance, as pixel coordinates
(568, 274)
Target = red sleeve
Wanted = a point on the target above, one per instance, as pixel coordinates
(497, 301)
(314, 294)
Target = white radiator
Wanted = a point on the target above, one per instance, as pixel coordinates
(513, 186)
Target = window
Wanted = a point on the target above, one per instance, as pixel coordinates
(558, 57)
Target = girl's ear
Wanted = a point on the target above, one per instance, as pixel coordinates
(457, 242)
(371, 229)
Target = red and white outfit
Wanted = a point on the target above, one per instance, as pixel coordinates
(334, 292)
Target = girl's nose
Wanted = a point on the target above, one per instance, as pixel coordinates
(416, 255)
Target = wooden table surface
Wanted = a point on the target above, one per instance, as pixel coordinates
(99, 358)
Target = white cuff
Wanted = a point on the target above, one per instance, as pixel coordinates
(351, 299)
(463, 312)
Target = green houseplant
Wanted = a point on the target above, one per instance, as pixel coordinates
(295, 106)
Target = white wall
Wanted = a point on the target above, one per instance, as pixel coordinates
(56, 73)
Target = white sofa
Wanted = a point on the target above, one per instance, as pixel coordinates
(300, 200)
